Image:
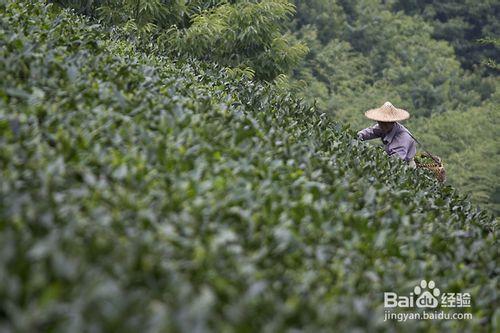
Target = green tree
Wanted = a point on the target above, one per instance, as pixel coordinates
(402, 51)
(247, 34)
(392, 52)
(244, 34)
(327, 16)
(462, 23)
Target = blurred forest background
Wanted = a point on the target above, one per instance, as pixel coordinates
(436, 59)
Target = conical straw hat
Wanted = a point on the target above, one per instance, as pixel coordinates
(387, 113)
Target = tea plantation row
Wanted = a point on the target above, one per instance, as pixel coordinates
(141, 194)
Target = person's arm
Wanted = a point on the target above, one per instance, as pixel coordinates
(370, 133)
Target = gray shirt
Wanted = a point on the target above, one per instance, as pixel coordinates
(398, 141)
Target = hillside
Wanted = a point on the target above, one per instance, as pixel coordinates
(139, 193)
(424, 56)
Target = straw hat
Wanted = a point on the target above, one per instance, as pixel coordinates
(387, 113)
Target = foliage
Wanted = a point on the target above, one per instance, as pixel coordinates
(462, 23)
(490, 62)
(327, 16)
(240, 34)
(473, 170)
(139, 194)
(142, 12)
(370, 52)
(397, 56)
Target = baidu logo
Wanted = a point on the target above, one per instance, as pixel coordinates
(424, 299)
(427, 295)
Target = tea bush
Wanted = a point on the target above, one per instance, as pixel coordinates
(138, 193)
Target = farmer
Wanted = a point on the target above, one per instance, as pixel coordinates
(395, 137)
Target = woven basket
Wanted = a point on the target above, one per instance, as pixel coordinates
(436, 167)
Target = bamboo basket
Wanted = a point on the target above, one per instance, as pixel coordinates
(436, 167)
